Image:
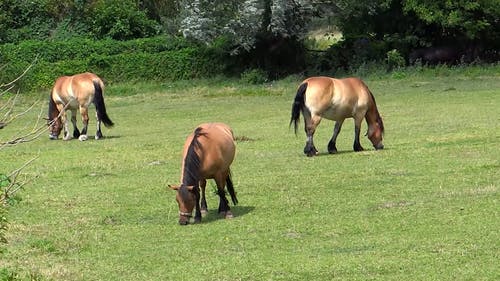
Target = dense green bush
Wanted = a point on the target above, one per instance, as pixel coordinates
(159, 58)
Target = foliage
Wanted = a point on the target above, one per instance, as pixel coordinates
(254, 76)
(42, 19)
(245, 22)
(395, 59)
(121, 20)
(157, 58)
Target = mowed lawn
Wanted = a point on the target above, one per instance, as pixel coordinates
(424, 208)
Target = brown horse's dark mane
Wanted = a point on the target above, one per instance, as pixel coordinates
(192, 161)
(53, 111)
(378, 118)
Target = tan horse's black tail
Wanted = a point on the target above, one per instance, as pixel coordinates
(298, 105)
(100, 106)
(230, 189)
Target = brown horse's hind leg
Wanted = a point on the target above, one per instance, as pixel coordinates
(223, 202)
(332, 147)
(357, 128)
(85, 120)
(204, 208)
(311, 122)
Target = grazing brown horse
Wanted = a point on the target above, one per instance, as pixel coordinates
(74, 93)
(336, 99)
(208, 153)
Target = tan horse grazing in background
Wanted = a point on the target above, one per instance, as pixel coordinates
(74, 93)
(208, 153)
(336, 99)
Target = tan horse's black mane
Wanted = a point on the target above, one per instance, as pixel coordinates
(53, 112)
(378, 118)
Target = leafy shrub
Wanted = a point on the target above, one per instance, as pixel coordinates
(254, 76)
(395, 59)
(158, 58)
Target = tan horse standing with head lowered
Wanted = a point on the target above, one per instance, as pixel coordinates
(208, 152)
(74, 93)
(336, 99)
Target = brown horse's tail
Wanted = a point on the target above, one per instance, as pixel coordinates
(298, 105)
(374, 109)
(100, 106)
(230, 189)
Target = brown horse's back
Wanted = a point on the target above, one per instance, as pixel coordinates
(218, 151)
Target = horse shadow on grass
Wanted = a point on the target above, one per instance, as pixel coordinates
(238, 211)
(366, 152)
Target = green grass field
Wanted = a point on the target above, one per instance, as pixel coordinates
(424, 208)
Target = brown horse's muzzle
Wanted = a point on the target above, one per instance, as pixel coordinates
(379, 146)
(184, 218)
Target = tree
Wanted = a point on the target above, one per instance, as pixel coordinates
(245, 22)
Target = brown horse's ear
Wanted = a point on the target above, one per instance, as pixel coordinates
(190, 187)
(174, 187)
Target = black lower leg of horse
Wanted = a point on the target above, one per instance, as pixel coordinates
(98, 133)
(332, 147)
(357, 145)
(204, 207)
(223, 202)
(197, 212)
(310, 149)
(76, 132)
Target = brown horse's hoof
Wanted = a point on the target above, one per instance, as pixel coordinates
(204, 212)
(228, 215)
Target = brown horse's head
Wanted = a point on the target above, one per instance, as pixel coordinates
(54, 120)
(186, 198)
(376, 132)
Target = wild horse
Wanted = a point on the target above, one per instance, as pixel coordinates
(74, 93)
(208, 153)
(336, 99)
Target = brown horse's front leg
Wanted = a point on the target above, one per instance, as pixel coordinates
(197, 212)
(357, 144)
(204, 208)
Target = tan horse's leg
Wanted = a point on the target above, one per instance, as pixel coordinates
(64, 121)
(98, 133)
(224, 209)
(204, 208)
(85, 120)
(311, 122)
(76, 132)
(332, 147)
(357, 128)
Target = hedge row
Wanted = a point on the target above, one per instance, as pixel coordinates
(160, 58)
